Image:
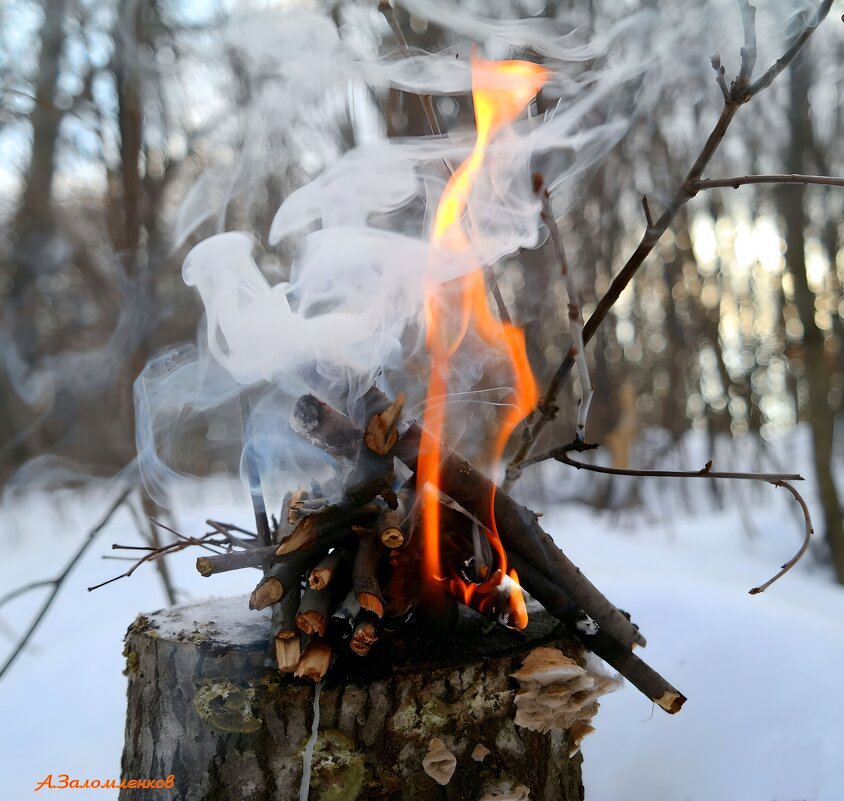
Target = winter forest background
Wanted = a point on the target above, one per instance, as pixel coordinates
(131, 130)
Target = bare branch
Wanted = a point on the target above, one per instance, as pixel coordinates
(647, 207)
(578, 347)
(776, 479)
(547, 409)
(58, 580)
(503, 313)
(225, 532)
(748, 52)
(249, 552)
(781, 63)
(389, 13)
(744, 180)
(803, 548)
(231, 527)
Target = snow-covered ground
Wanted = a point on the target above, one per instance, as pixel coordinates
(763, 674)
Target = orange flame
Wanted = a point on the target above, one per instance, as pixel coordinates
(500, 90)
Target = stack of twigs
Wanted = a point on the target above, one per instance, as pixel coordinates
(337, 574)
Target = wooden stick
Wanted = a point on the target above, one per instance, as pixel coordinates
(382, 429)
(269, 591)
(236, 560)
(624, 660)
(365, 633)
(284, 616)
(388, 526)
(286, 639)
(315, 660)
(302, 537)
(301, 506)
(314, 611)
(288, 653)
(365, 575)
(371, 474)
(321, 575)
(327, 527)
(262, 523)
(290, 569)
(336, 434)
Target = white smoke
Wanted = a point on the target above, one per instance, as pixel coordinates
(351, 308)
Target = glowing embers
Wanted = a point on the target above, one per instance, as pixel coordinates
(500, 90)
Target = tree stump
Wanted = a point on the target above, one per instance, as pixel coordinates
(206, 706)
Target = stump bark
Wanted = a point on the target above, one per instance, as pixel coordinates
(206, 705)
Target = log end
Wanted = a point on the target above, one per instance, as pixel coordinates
(671, 701)
(308, 413)
(392, 537)
(204, 566)
(268, 592)
(372, 603)
(288, 650)
(303, 536)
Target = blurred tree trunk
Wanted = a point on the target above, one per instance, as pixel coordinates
(33, 227)
(820, 415)
(129, 200)
(33, 222)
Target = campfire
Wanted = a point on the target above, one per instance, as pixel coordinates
(418, 528)
(352, 573)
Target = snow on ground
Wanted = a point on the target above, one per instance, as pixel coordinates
(762, 673)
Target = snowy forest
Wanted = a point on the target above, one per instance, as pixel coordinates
(131, 131)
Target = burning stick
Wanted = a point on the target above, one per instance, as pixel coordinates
(314, 611)
(520, 531)
(365, 575)
(315, 660)
(518, 527)
(482, 553)
(365, 633)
